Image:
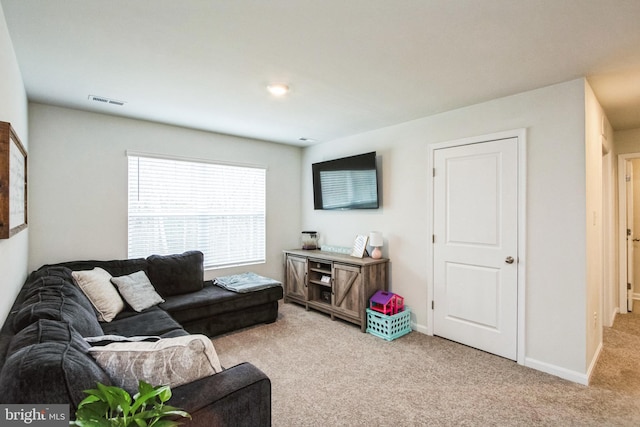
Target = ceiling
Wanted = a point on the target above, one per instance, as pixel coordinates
(352, 66)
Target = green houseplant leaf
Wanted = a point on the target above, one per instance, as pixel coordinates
(110, 406)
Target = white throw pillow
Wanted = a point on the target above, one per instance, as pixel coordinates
(96, 285)
(137, 290)
(168, 361)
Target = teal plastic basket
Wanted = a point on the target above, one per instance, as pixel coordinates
(389, 327)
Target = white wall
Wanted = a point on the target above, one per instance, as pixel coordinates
(13, 109)
(636, 226)
(554, 118)
(78, 183)
(611, 298)
(597, 134)
(628, 142)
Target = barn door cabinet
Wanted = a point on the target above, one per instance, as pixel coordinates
(336, 284)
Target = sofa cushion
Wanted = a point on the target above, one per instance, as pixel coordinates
(137, 290)
(50, 372)
(213, 301)
(153, 321)
(169, 361)
(96, 285)
(46, 330)
(176, 274)
(51, 303)
(114, 267)
(62, 285)
(49, 272)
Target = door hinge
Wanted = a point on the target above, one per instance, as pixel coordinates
(433, 305)
(629, 286)
(434, 172)
(627, 178)
(433, 238)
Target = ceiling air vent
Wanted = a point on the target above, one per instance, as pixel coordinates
(105, 100)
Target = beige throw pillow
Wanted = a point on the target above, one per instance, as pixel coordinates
(96, 285)
(168, 361)
(137, 290)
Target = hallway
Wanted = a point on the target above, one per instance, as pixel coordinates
(618, 368)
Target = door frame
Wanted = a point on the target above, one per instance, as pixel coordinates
(520, 135)
(622, 230)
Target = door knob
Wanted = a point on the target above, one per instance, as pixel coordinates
(509, 260)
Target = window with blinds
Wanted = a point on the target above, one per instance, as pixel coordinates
(177, 205)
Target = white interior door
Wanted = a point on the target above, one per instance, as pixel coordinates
(630, 234)
(475, 246)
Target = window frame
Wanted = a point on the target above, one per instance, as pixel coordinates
(254, 222)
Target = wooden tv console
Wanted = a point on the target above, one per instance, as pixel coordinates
(336, 284)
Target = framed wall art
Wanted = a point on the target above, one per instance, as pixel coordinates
(13, 182)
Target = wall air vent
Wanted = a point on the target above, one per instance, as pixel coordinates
(106, 100)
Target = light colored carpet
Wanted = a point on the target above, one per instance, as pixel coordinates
(328, 373)
(618, 367)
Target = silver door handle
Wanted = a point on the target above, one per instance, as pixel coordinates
(509, 260)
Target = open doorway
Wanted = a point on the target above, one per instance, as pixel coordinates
(629, 230)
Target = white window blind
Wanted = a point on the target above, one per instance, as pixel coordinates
(177, 205)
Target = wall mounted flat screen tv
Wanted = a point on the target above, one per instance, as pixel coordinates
(346, 183)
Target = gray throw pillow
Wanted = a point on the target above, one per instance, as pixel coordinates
(137, 290)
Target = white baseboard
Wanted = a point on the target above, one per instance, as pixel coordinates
(613, 316)
(419, 328)
(592, 366)
(573, 376)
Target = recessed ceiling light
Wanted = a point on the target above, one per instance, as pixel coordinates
(278, 89)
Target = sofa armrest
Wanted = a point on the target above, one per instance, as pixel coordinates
(237, 396)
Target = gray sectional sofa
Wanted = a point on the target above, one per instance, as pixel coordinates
(44, 352)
